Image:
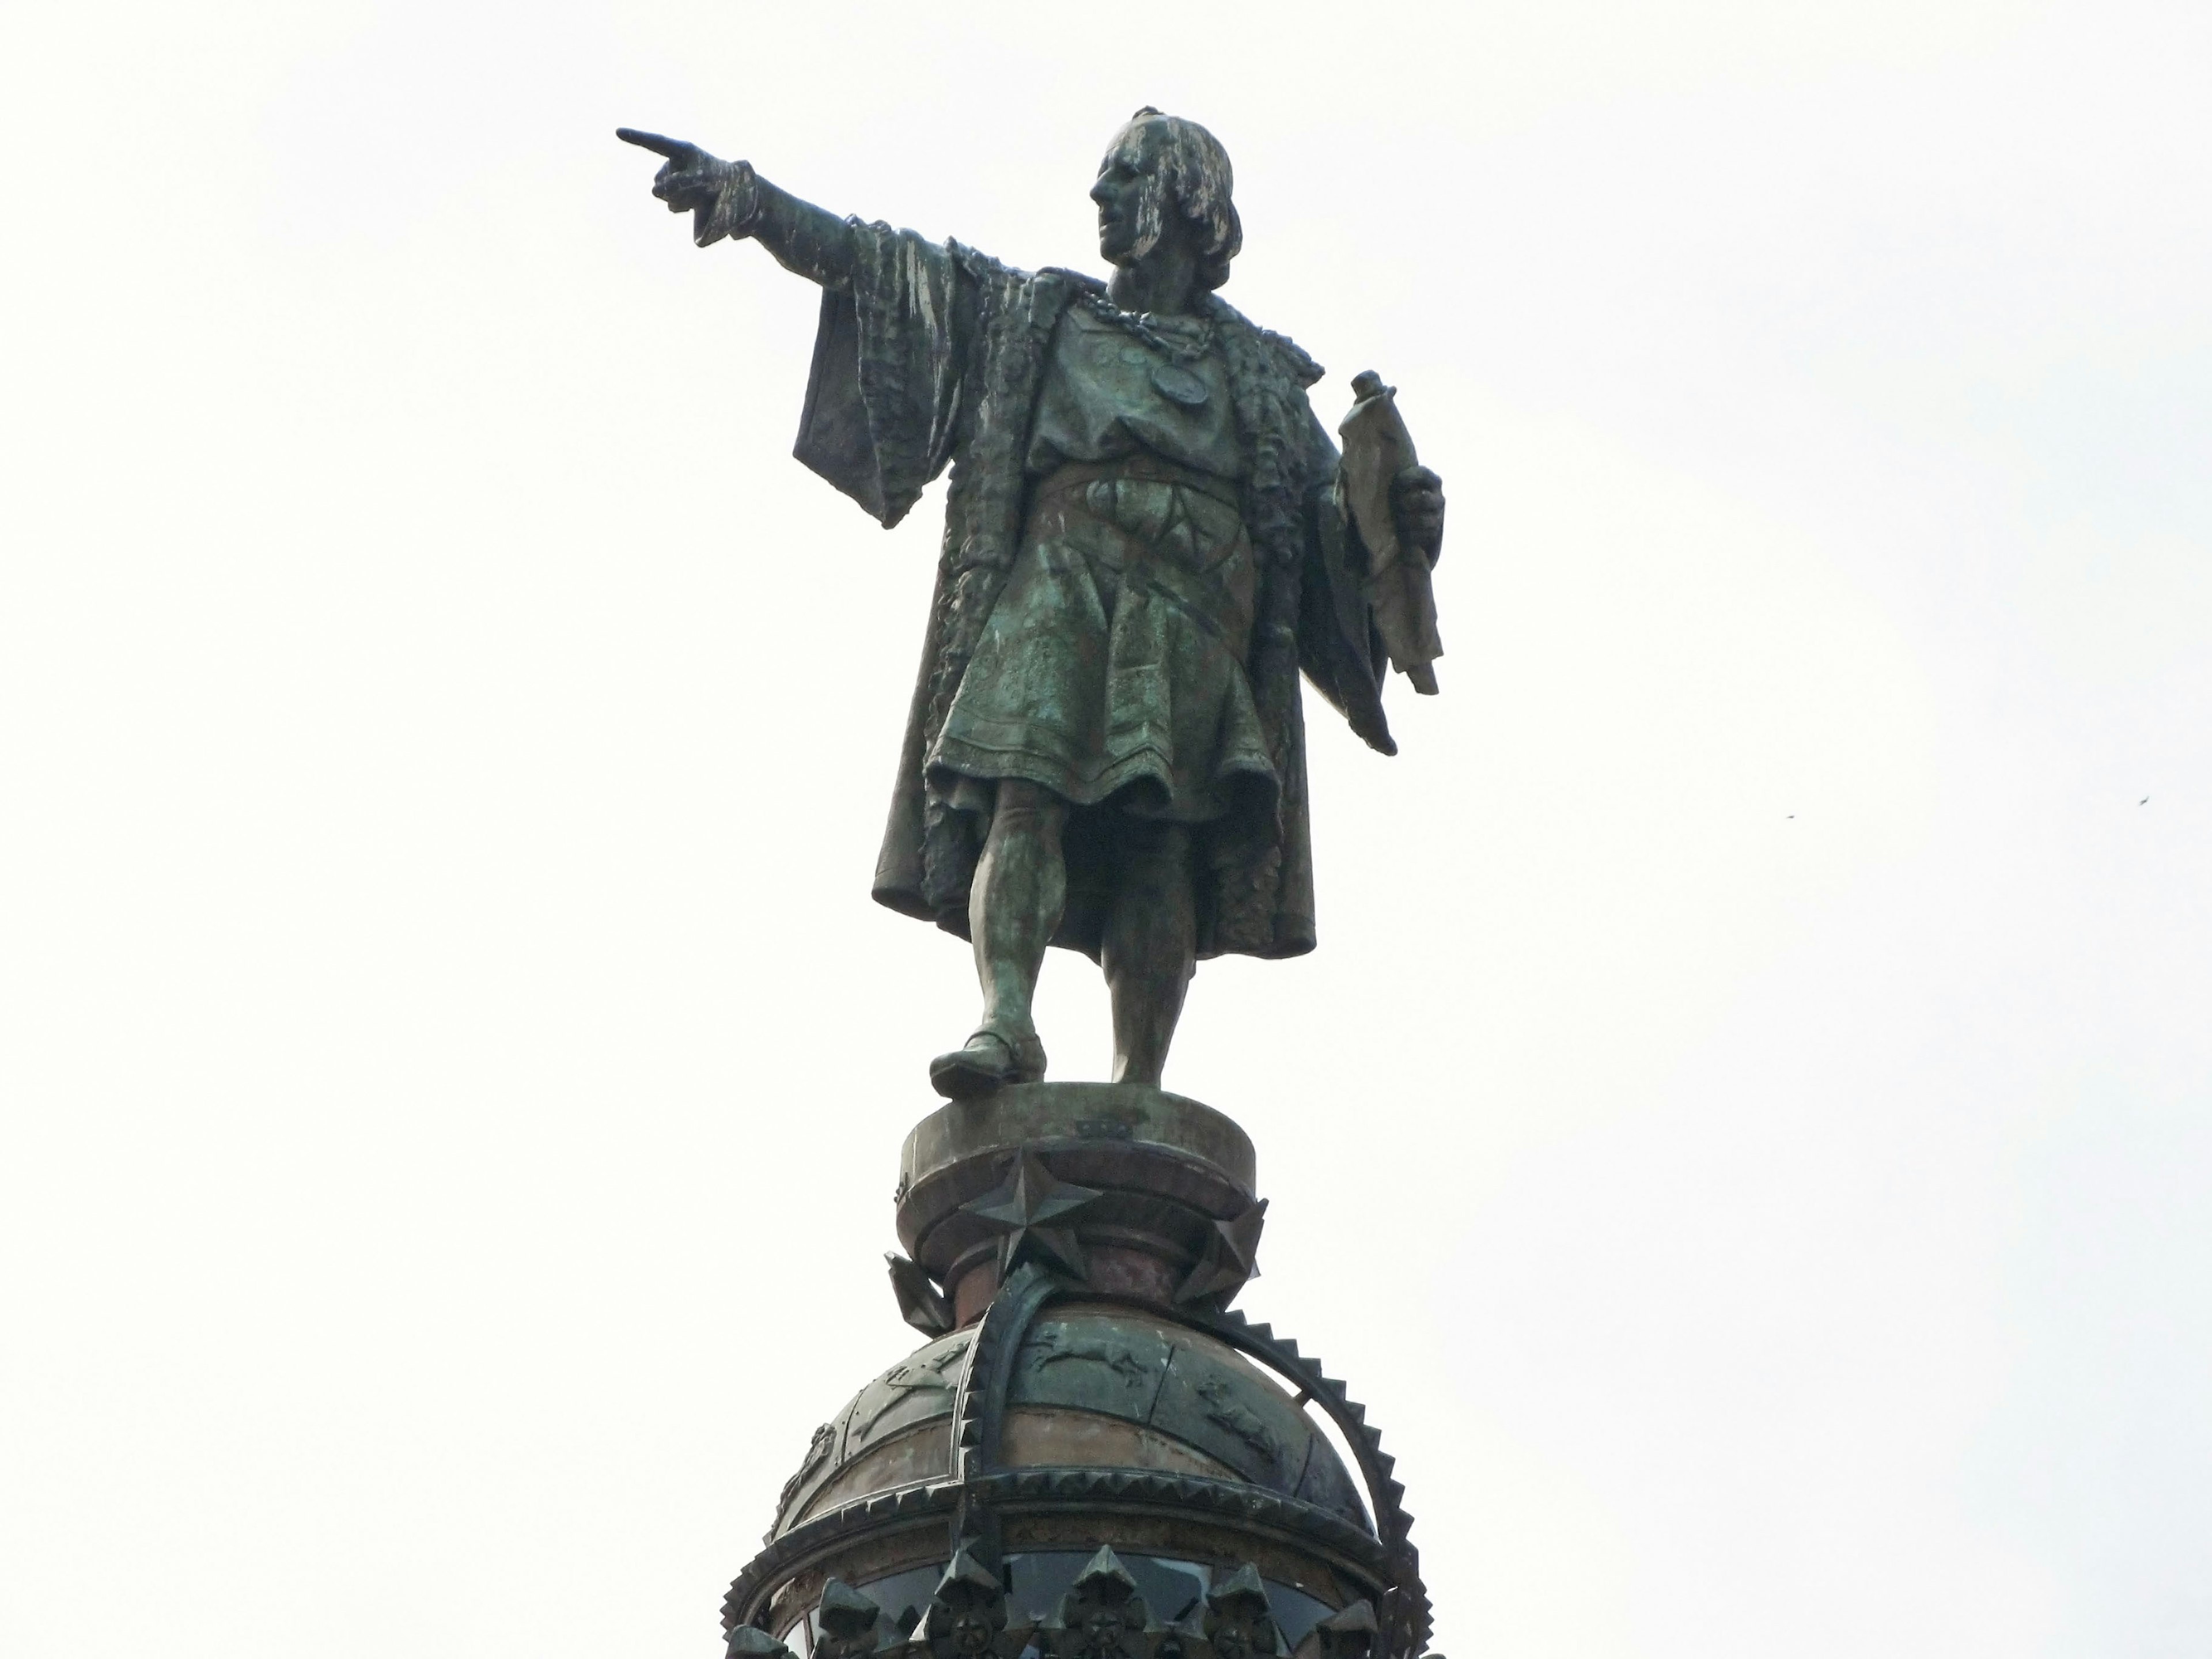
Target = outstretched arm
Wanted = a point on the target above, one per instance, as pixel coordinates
(728, 199)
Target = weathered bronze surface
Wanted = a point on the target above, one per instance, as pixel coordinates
(1061, 1409)
(1041, 1437)
(1149, 536)
(1096, 1385)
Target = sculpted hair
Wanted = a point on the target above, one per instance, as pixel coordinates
(1192, 170)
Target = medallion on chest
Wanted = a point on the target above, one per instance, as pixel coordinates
(1176, 346)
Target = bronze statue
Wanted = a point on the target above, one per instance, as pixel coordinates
(1148, 536)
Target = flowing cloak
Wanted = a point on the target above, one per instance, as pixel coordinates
(934, 355)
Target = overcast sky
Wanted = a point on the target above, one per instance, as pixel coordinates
(1745, 1132)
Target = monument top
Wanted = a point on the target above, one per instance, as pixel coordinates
(1150, 540)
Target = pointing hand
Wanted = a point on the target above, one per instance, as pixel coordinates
(689, 180)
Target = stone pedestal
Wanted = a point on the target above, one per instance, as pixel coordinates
(1171, 1185)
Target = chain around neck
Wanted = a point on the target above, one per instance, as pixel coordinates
(1188, 349)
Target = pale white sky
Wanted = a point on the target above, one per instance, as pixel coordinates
(1744, 1133)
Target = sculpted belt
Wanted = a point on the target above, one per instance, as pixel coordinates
(1143, 467)
(1171, 533)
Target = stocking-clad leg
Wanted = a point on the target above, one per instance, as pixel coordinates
(1151, 947)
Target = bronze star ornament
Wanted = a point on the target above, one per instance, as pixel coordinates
(1024, 1209)
(1231, 1256)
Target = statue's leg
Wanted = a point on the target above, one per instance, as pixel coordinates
(1151, 947)
(1014, 906)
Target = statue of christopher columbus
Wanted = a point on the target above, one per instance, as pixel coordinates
(1148, 536)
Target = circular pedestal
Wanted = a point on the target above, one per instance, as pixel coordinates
(1140, 1192)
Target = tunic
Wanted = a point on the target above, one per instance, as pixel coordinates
(1112, 668)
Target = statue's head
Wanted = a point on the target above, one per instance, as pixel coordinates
(1164, 176)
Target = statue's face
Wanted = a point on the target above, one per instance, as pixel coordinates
(1124, 176)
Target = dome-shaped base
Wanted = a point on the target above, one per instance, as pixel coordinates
(1086, 1398)
(1093, 1385)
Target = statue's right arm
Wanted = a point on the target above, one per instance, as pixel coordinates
(728, 199)
(805, 239)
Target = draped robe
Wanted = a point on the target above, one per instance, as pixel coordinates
(933, 354)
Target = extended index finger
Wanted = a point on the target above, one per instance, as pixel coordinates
(674, 148)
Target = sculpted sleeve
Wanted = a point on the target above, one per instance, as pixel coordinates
(804, 239)
(883, 399)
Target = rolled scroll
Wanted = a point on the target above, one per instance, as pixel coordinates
(1376, 449)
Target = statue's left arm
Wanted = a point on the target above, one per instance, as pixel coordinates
(1417, 500)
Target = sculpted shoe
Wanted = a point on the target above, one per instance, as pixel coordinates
(985, 1062)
